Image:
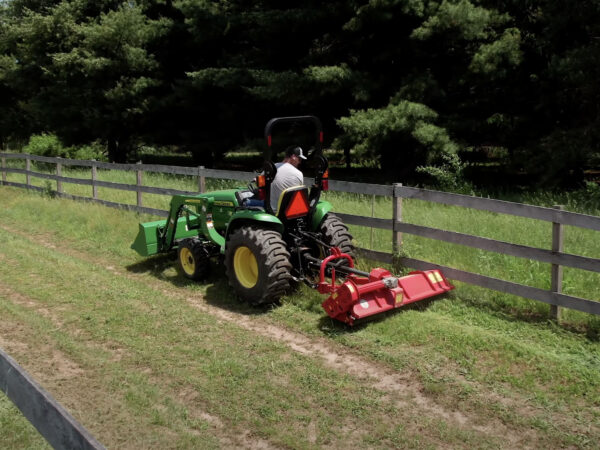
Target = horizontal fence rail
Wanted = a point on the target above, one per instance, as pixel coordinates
(52, 421)
(541, 295)
(501, 206)
(556, 257)
(506, 248)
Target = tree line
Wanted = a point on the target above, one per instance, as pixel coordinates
(402, 84)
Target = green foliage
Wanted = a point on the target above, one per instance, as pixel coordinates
(298, 88)
(50, 145)
(85, 74)
(500, 55)
(205, 76)
(466, 20)
(449, 175)
(376, 133)
(45, 145)
(94, 150)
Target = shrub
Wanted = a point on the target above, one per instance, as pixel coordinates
(448, 175)
(93, 150)
(45, 145)
(401, 136)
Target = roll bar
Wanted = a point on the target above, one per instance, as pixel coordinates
(291, 119)
(270, 170)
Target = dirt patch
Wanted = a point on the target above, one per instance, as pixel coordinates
(22, 300)
(401, 389)
(243, 439)
(56, 365)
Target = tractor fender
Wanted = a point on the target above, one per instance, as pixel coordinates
(321, 210)
(249, 217)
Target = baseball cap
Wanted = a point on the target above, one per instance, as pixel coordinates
(295, 151)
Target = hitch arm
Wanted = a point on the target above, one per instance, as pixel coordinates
(344, 269)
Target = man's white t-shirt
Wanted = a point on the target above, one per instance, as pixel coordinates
(287, 176)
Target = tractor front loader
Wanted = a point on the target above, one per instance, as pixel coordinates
(266, 252)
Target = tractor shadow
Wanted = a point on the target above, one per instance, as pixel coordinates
(215, 289)
(220, 294)
(161, 267)
(216, 292)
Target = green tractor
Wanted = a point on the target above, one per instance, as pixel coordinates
(266, 252)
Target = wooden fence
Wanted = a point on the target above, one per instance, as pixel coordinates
(556, 257)
(53, 422)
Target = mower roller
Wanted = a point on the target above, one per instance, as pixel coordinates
(267, 252)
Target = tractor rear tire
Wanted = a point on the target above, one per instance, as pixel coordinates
(257, 264)
(336, 234)
(194, 259)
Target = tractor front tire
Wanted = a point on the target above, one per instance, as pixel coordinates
(257, 264)
(194, 259)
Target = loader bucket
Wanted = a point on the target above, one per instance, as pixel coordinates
(147, 241)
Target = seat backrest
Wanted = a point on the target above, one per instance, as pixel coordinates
(293, 202)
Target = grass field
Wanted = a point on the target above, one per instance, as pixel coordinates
(144, 358)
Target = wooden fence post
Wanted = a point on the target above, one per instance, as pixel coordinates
(139, 184)
(28, 169)
(397, 217)
(3, 170)
(557, 270)
(94, 178)
(59, 187)
(201, 180)
(372, 215)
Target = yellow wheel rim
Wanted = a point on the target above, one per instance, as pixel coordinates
(187, 261)
(245, 267)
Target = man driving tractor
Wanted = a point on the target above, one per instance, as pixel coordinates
(288, 175)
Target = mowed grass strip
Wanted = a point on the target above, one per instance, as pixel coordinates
(171, 371)
(478, 352)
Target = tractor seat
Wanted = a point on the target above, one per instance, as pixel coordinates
(293, 203)
(245, 200)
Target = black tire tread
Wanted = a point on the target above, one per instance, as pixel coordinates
(273, 258)
(336, 234)
(201, 258)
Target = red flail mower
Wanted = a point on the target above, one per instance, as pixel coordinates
(365, 294)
